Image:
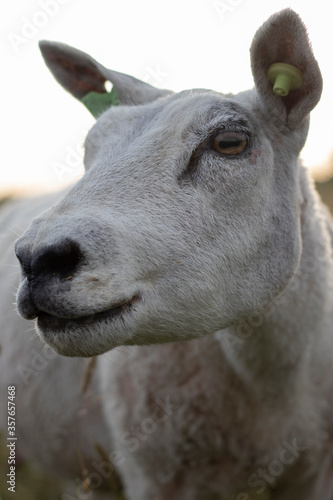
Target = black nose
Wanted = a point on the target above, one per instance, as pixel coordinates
(61, 259)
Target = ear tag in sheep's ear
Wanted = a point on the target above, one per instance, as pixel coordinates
(284, 77)
(97, 102)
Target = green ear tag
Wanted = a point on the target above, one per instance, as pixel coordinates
(97, 103)
(284, 77)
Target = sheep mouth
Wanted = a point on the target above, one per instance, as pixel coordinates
(46, 321)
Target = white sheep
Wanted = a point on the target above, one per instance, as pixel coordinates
(197, 242)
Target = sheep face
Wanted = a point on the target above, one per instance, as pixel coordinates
(187, 219)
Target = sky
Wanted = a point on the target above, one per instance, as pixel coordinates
(177, 44)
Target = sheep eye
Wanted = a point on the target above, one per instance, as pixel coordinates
(230, 143)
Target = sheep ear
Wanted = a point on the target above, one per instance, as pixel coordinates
(283, 39)
(85, 79)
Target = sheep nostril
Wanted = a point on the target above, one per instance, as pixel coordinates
(60, 259)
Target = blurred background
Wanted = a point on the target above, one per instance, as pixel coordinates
(177, 44)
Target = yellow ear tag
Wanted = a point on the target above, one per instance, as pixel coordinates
(285, 77)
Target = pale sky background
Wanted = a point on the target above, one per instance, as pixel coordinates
(175, 44)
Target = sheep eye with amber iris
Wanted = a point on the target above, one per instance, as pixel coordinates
(230, 143)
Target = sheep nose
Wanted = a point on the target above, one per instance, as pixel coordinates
(59, 259)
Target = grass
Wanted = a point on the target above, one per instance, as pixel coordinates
(31, 483)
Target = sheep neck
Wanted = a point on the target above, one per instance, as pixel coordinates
(291, 334)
